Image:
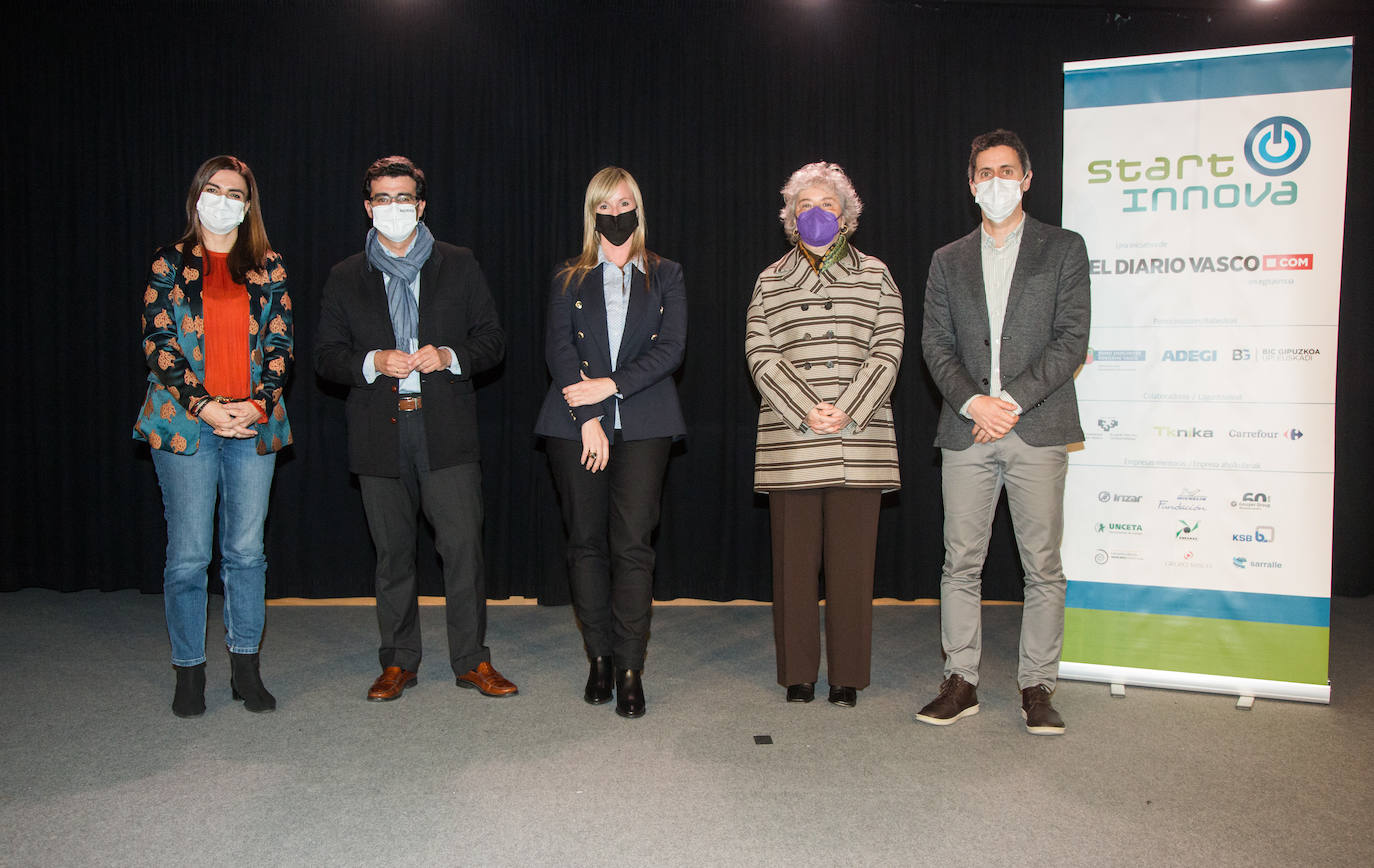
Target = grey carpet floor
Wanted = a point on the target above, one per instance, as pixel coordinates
(95, 770)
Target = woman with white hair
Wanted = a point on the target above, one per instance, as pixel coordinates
(615, 333)
(823, 343)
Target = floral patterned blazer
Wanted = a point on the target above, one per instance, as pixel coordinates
(173, 342)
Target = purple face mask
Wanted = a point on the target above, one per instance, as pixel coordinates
(817, 226)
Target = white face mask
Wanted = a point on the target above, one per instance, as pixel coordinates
(395, 221)
(219, 215)
(998, 197)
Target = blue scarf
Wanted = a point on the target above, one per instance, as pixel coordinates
(405, 310)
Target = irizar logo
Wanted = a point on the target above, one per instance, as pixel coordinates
(1277, 146)
(1109, 497)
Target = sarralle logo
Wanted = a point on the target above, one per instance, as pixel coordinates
(1188, 182)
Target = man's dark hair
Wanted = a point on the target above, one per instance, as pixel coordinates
(995, 139)
(394, 167)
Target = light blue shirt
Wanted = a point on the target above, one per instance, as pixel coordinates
(999, 264)
(615, 287)
(411, 384)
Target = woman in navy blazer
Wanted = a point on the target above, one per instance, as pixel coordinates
(616, 331)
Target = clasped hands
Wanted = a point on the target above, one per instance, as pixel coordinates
(234, 420)
(993, 418)
(826, 418)
(426, 360)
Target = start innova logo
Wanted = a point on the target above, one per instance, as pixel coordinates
(1199, 181)
(1277, 146)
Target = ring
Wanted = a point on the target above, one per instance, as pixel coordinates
(591, 454)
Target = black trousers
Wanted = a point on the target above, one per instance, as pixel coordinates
(451, 499)
(610, 518)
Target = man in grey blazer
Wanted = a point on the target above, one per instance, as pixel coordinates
(1019, 287)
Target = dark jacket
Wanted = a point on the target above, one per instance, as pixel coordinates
(456, 310)
(576, 341)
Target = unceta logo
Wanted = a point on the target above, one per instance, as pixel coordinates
(1277, 146)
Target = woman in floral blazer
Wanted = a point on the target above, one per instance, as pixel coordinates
(217, 336)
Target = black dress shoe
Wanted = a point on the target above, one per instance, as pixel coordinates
(801, 692)
(629, 693)
(600, 680)
(846, 697)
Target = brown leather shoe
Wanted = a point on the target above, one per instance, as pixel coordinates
(1041, 718)
(487, 680)
(390, 684)
(957, 699)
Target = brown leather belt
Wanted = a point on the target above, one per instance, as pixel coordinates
(405, 405)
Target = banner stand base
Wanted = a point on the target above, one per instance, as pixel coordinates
(1245, 703)
(1244, 688)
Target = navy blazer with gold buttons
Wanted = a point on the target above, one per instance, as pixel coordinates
(576, 342)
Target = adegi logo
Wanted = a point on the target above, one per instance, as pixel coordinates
(1186, 355)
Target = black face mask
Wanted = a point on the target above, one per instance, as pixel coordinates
(619, 227)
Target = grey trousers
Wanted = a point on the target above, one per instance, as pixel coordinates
(971, 480)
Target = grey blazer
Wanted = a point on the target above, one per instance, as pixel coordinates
(1044, 334)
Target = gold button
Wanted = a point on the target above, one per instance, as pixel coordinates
(580, 336)
(585, 365)
(653, 337)
(578, 304)
(660, 308)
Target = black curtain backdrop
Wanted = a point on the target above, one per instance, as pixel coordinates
(510, 108)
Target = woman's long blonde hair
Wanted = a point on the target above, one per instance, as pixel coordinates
(599, 189)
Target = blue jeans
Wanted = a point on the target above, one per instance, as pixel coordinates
(233, 472)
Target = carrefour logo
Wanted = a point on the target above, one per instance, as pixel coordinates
(1277, 146)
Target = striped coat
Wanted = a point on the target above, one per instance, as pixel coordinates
(834, 337)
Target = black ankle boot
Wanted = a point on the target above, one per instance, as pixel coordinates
(189, 699)
(629, 693)
(246, 683)
(600, 680)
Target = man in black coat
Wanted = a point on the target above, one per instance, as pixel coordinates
(406, 324)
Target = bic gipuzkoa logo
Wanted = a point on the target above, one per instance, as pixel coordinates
(1274, 147)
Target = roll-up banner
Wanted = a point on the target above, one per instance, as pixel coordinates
(1210, 188)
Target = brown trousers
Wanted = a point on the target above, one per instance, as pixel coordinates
(836, 528)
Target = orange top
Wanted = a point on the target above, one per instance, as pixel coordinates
(226, 329)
